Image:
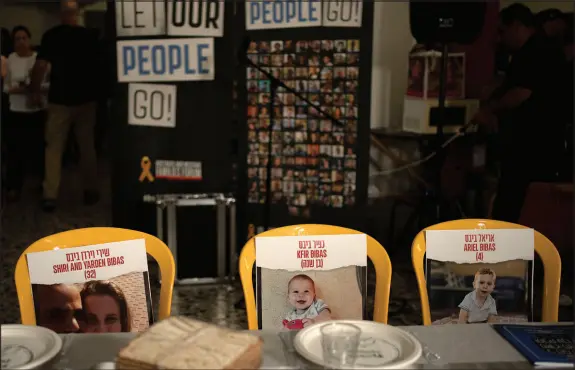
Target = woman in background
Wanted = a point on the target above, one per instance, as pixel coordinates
(25, 123)
(105, 308)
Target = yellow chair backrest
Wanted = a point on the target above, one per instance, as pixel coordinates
(90, 236)
(543, 247)
(375, 252)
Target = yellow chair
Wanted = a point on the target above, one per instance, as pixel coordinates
(375, 252)
(543, 247)
(90, 236)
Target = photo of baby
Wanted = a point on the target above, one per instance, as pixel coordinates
(302, 281)
(471, 293)
(479, 306)
(306, 308)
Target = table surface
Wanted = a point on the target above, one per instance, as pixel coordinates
(475, 346)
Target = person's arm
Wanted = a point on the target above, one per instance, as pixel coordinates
(42, 64)
(324, 315)
(463, 316)
(45, 87)
(464, 308)
(492, 313)
(513, 98)
(9, 86)
(3, 66)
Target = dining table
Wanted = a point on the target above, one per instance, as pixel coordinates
(476, 346)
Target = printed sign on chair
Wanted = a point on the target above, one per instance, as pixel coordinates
(476, 276)
(92, 289)
(303, 280)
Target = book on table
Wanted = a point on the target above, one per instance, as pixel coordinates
(545, 346)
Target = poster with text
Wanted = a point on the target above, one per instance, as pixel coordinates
(267, 15)
(92, 289)
(152, 105)
(157, 60)
(196, 18)
(140, 18)
(314, 159)
(480, 276)
(302, 280)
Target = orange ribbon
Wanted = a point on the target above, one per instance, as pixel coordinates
(146, 165)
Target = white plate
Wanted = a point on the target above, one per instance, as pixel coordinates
(381, 346)
(28, 347)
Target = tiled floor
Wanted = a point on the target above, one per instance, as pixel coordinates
(24, 222)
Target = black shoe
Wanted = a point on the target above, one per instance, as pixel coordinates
(48, 205)
(91, 197)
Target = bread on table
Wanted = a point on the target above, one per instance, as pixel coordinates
(183, 343)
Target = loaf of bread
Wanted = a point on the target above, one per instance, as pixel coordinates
(183, 343)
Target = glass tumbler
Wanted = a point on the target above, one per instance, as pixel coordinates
(339, 344)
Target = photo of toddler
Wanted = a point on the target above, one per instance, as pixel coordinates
(306, 308)
(479, 306)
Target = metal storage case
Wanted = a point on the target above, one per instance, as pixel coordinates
(225, 211)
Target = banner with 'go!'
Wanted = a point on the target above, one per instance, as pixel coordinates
(275, 14)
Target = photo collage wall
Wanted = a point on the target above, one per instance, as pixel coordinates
(314, 158)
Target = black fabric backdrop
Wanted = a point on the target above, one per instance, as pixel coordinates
(205, 132)
(350, 216)
(202, 133)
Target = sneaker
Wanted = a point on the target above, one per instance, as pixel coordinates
(48, 205)
(91, 197)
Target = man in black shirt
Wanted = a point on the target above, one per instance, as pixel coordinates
(526, 110)
(72, 52)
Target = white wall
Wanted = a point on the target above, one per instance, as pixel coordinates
(38, 18)
(392, 41)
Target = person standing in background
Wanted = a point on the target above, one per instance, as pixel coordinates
(72, 50)
(25, 124)
(527, 107)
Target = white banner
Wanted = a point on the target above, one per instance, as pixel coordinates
(196, 18)
(93, 262)
(342, 13)
(189, 59)
(272, 14)
(178, 170)
(140, 18)
(480, 246)
(152, 105)
(324, 252)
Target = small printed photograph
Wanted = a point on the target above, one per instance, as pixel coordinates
(327, 45)
(340, 46)
(253, 47)
(326, 74)
(353, 45)
(301, 46)
(300, 290)
(102, 288)
(264, 47)
(480, 276)
(277, 47)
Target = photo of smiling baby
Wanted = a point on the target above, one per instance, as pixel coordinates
(473, 293)
(306, 308)
(303, 281)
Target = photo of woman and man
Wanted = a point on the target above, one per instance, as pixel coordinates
(121, 304)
